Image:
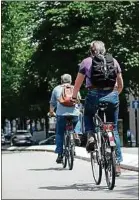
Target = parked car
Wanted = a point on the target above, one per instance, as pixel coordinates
(2, 139)
(48, 141)
(21, 137)
(8, 138)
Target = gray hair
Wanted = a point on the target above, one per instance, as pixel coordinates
(66, 78)
(99, 47)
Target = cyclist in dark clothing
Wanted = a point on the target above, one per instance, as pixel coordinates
(100, 91)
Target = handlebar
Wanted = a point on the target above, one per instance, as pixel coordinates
(54, 115)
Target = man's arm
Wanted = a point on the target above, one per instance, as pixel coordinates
(119, 81)
(51, 110)
(78, 82)
(79, 96)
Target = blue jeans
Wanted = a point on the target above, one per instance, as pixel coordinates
(92, 99)
(78, 127)
(60, 129)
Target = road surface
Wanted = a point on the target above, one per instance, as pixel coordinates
(35, 175)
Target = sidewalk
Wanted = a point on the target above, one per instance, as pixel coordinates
(130, 155)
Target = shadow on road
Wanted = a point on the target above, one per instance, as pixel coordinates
(128, 177)
(124, 187)
(131, 191)
(79, 187)
(49, 169)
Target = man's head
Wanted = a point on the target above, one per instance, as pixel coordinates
(66, 78)
(97, 47)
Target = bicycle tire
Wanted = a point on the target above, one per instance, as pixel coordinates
(64, 161)
(71, 158)
(94, 159)
(71, 152)
(110, 163)
(64, 152)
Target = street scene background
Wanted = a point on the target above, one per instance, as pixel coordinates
(43, 40)
(40, 41)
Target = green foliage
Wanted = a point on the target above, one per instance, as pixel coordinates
(68, 29)
(16, 50)
(42, 40)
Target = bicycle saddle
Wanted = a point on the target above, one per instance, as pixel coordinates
(68, 116)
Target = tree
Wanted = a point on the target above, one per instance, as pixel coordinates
(67, 29)
(16, 50)
(42, 40)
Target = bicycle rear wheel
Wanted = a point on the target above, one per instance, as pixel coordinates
(71, 158)
(70, 151)
(96, 167)
(65, 152)
(64, 160)
(110, 166)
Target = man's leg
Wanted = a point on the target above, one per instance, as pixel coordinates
(116, 135)
(77, 131)
(76, 137)
(117, 141)
(90, 109)
(60, 128)
(112, 116)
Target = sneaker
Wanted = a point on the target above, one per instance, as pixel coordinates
(77, 139)
(90, 143)
(118, 170)
(59, 158)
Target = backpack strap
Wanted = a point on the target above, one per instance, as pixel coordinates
(63, 90)
(109, 57)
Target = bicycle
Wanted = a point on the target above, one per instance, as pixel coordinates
(69, 144)
(103, 156)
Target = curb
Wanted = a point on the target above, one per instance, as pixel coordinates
(123, 166)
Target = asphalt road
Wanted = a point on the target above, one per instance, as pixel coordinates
(35, 175)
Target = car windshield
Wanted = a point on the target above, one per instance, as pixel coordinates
(22, 133)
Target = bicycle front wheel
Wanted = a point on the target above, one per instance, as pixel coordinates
(110, 167)
(96, 167)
